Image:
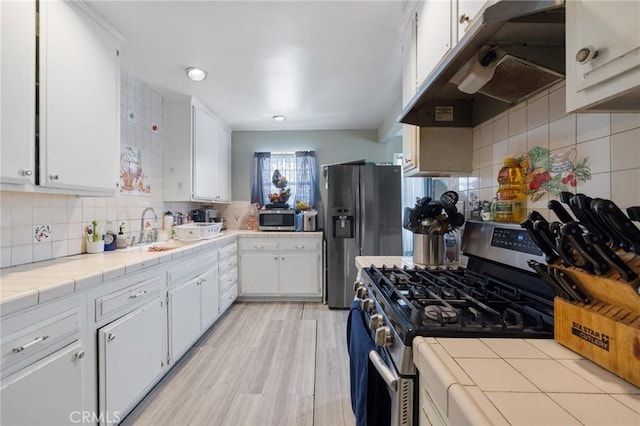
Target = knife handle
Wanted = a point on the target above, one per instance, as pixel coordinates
(634, 213)
(573, 232)
(550, 253)
(560, 211)
(622, 223)
(611, 257)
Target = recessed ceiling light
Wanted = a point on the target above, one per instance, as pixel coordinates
(196, 74)
(279, 117)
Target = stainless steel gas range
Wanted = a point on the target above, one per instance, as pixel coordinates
(496, 295)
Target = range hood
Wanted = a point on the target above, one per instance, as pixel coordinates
(525, 43)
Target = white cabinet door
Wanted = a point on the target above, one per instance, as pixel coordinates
(611, 29)
(185, 313)
(205, 153)
(223, 165)
(409, 86)
(258, 274)
(18, 91)
(434, 35)
(47, 392)
(300, 274)
(79, 101)
(467, 11)
(210, 298)
(131, 358)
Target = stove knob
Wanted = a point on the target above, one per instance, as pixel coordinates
(368, 306)
(383, 336)
(376, 321)
(357, 285)
(362, 292)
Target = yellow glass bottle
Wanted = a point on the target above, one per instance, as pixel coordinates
(511, 200)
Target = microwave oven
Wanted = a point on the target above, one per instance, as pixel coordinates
(277, 220)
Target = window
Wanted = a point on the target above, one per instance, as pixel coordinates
(300, 170)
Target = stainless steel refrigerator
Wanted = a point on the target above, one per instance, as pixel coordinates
(364, 218)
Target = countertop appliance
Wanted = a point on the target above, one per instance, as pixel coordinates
(204, 215)
(277, 220)
(496, 295)
(364, 218)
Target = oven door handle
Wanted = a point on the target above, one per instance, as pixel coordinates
(389, 376)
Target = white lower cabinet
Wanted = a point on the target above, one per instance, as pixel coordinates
(228, 275)
(281, 267)
(48, 392)
(193, 303)
(131, 359)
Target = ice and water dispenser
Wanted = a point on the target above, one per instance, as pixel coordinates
(343, 224)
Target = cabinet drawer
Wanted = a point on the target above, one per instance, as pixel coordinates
(228, 264)
(227, 298)
(192, 269)
(228, 280)
(39, 340)
(228, 251)
(254, 244)
(127, 298)
(306, 244)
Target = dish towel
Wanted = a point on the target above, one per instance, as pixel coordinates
(370, 399)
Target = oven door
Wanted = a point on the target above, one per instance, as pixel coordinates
(379, 396)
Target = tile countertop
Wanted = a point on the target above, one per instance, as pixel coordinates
(27, 285)
(517, 381)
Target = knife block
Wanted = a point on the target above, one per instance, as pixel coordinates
(606, 330)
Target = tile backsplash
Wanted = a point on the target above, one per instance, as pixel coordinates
(22, 212)
(610, 142)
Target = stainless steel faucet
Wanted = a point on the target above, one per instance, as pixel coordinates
(142, 239)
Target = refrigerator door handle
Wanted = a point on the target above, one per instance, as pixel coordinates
(358, 213)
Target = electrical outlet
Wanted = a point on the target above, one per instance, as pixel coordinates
(42, 233)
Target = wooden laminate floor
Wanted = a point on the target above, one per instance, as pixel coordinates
(273, 363)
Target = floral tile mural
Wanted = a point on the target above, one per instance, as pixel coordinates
(547, 173)
(133, 180)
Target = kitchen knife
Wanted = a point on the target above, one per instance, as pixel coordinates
(570, 286)
(543, 272)
(618, 240)
(543, 229)
(560, 211)
(550, 252)
(611, 257)
(573, 232)
(534, 217)
(618, 220)
(568, 254)
(584, 203)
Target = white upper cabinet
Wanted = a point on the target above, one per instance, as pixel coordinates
(60, 110)
(79, 100)
(17, 91)
(467, 11)
(409, 86)
(434, 36)
(197, 153)
(603, 55)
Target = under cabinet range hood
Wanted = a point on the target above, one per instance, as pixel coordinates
(511, 51)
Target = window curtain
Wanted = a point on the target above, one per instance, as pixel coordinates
(261, 182)
(307, 178)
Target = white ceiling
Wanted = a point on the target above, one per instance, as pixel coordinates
(322, 64)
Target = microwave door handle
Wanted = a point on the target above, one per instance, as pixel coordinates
(389, 376)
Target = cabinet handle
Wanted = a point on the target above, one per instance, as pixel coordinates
(463, 18)
(31, 343)
(79, 355)
(135, 296)
(199, 282)
(204, 280)
(282, 258)
(259, 246)
(276, 258)
(586, 54)
(27, 172)
(111, 337)
(300, 246)
(55, 176)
